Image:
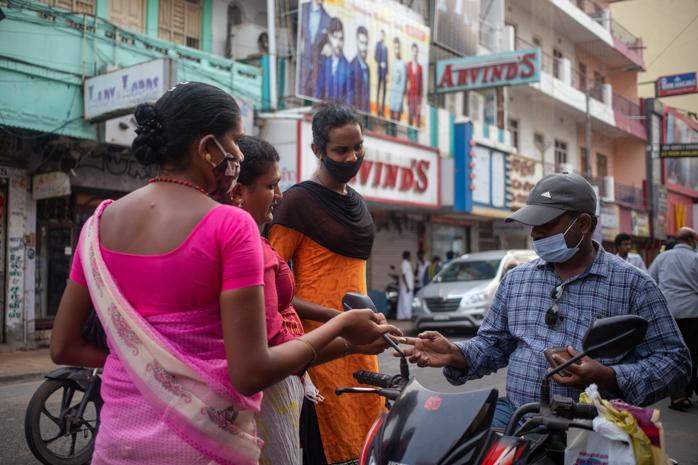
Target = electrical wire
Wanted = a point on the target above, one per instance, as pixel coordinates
(673, 40)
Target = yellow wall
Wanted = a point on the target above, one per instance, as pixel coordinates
(658, 22)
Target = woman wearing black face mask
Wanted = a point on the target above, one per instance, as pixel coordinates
(325, 228)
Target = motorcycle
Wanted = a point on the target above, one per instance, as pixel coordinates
(424, 426)
(62, 418)
(392, 290)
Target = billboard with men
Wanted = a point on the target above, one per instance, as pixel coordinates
(371, 55)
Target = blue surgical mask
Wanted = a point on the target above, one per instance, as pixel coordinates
(553, 249)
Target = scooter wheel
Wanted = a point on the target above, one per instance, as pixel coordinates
(53, 436)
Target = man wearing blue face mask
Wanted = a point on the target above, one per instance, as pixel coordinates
(552, 301)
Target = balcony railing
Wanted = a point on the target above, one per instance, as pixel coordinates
(602, 16)
(626, 107)
(633, 42)
(552, 65)
(594, 10)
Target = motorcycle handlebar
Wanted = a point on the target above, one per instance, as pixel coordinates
(374, 379)
(584, 411)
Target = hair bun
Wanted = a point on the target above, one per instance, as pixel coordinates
(149, 145)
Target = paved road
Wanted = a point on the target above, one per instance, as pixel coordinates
(681, 428)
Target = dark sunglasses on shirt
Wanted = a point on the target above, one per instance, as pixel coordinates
(553, 313)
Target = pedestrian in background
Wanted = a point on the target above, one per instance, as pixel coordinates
(450, 255)
(676, 273)
(420, 271)
(404, 300)
(624, 244)
(433, 270)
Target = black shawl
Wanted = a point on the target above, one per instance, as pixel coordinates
(340, 223)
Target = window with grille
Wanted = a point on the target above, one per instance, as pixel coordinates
(81, 6)
(601, 165)
(514, 130)
(180, 22)
(560, 153)
(557, 56)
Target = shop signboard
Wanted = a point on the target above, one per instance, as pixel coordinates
(640, 224)
(393, 171)
(659, 218)
(522, 175)
(676, 84)
(49, 185)
(371, 55)
(484, 71)
(678, 150)
(118, 92)
(609, 222)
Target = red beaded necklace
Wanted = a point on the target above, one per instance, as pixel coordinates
(181, 182)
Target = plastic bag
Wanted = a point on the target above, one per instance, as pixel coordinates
(606, 445)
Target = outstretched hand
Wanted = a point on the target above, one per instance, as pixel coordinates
(432, 349)
(364, 326)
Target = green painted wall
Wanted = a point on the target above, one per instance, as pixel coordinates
(207, 26)
(152, 18)
(41, 84)
(102, 8)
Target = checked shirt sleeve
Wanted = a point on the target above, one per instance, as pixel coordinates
(490, 349)
(661, 360)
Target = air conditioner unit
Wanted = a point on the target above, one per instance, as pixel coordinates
(476, 107)
(609, 189)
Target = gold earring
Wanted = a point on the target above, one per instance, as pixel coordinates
(207, 157)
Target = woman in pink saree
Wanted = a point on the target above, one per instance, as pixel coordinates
(176, 280)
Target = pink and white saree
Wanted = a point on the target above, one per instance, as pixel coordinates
(177, 363)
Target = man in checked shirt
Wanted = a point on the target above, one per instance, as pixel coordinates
(552, 301)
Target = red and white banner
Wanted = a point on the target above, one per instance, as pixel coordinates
(393, 171)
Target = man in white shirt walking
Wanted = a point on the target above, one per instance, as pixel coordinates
(404, 300)
(676, 273)
(624, 244)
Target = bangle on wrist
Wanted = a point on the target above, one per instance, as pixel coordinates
(312, 349)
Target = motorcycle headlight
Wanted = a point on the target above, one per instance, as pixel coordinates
(417, 302)
(475, 298)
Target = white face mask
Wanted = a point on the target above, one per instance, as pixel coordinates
(554, 249)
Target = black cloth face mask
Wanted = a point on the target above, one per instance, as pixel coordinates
(342, 172)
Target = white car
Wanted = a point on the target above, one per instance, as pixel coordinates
(461, 293)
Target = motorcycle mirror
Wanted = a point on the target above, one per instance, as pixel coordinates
(353, 300)
(613, 336)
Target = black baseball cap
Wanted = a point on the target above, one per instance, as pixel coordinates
(554, 195)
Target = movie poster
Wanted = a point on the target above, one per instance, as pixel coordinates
(373, 55)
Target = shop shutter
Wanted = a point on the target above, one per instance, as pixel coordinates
(387, 250)
(129, 14)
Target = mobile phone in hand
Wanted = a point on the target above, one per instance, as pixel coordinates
(560, 352)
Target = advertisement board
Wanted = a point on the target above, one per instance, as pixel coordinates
(118, 92)
(393, 171)
(371, 55)
(677, 84)
(484, 71)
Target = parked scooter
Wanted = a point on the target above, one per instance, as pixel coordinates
(62, 417)
(424, 426)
